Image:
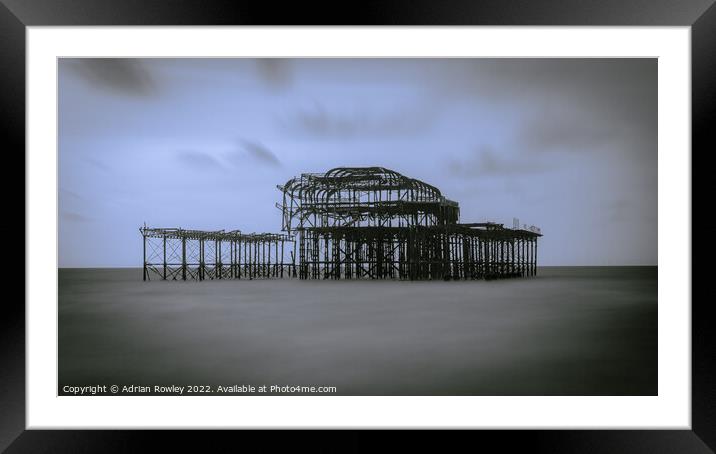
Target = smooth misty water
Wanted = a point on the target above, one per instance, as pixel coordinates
(569, 331)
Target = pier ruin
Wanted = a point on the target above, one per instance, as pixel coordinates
(350, 223)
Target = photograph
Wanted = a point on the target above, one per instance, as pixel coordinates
(357, 226)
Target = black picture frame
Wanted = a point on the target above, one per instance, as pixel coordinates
(16, 15)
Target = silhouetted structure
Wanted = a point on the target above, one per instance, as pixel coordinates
(178, 254)
(352, 223)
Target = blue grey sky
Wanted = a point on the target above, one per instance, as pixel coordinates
(569, 145)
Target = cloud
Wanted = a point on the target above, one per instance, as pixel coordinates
(260, 153)
(98, 164)
(74, 217)
(198, 160)
(587, 82)
(125, 76)
(71, 194)
(275, 73)
(319, 123)
(487, 162)
(564, 132)
(564, 104)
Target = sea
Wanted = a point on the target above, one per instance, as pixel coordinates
(567, 331)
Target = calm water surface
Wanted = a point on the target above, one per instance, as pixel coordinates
(568, 331)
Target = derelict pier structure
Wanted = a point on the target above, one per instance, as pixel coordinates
(350, 223)
(178, 254)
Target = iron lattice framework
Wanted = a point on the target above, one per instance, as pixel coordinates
(351, 223)
(363, 197)
(178, 254)
(372, 222)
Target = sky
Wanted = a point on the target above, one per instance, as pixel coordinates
(568, 145)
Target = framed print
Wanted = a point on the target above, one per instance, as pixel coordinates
(239, 223)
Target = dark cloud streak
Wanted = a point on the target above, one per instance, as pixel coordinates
(575, 105)
(198, 160)
(122, 76)
(260, 153)
(71, 216)
(275, 73)
(486, 162)
(566, 133)
(71, 194)
(320, 123)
